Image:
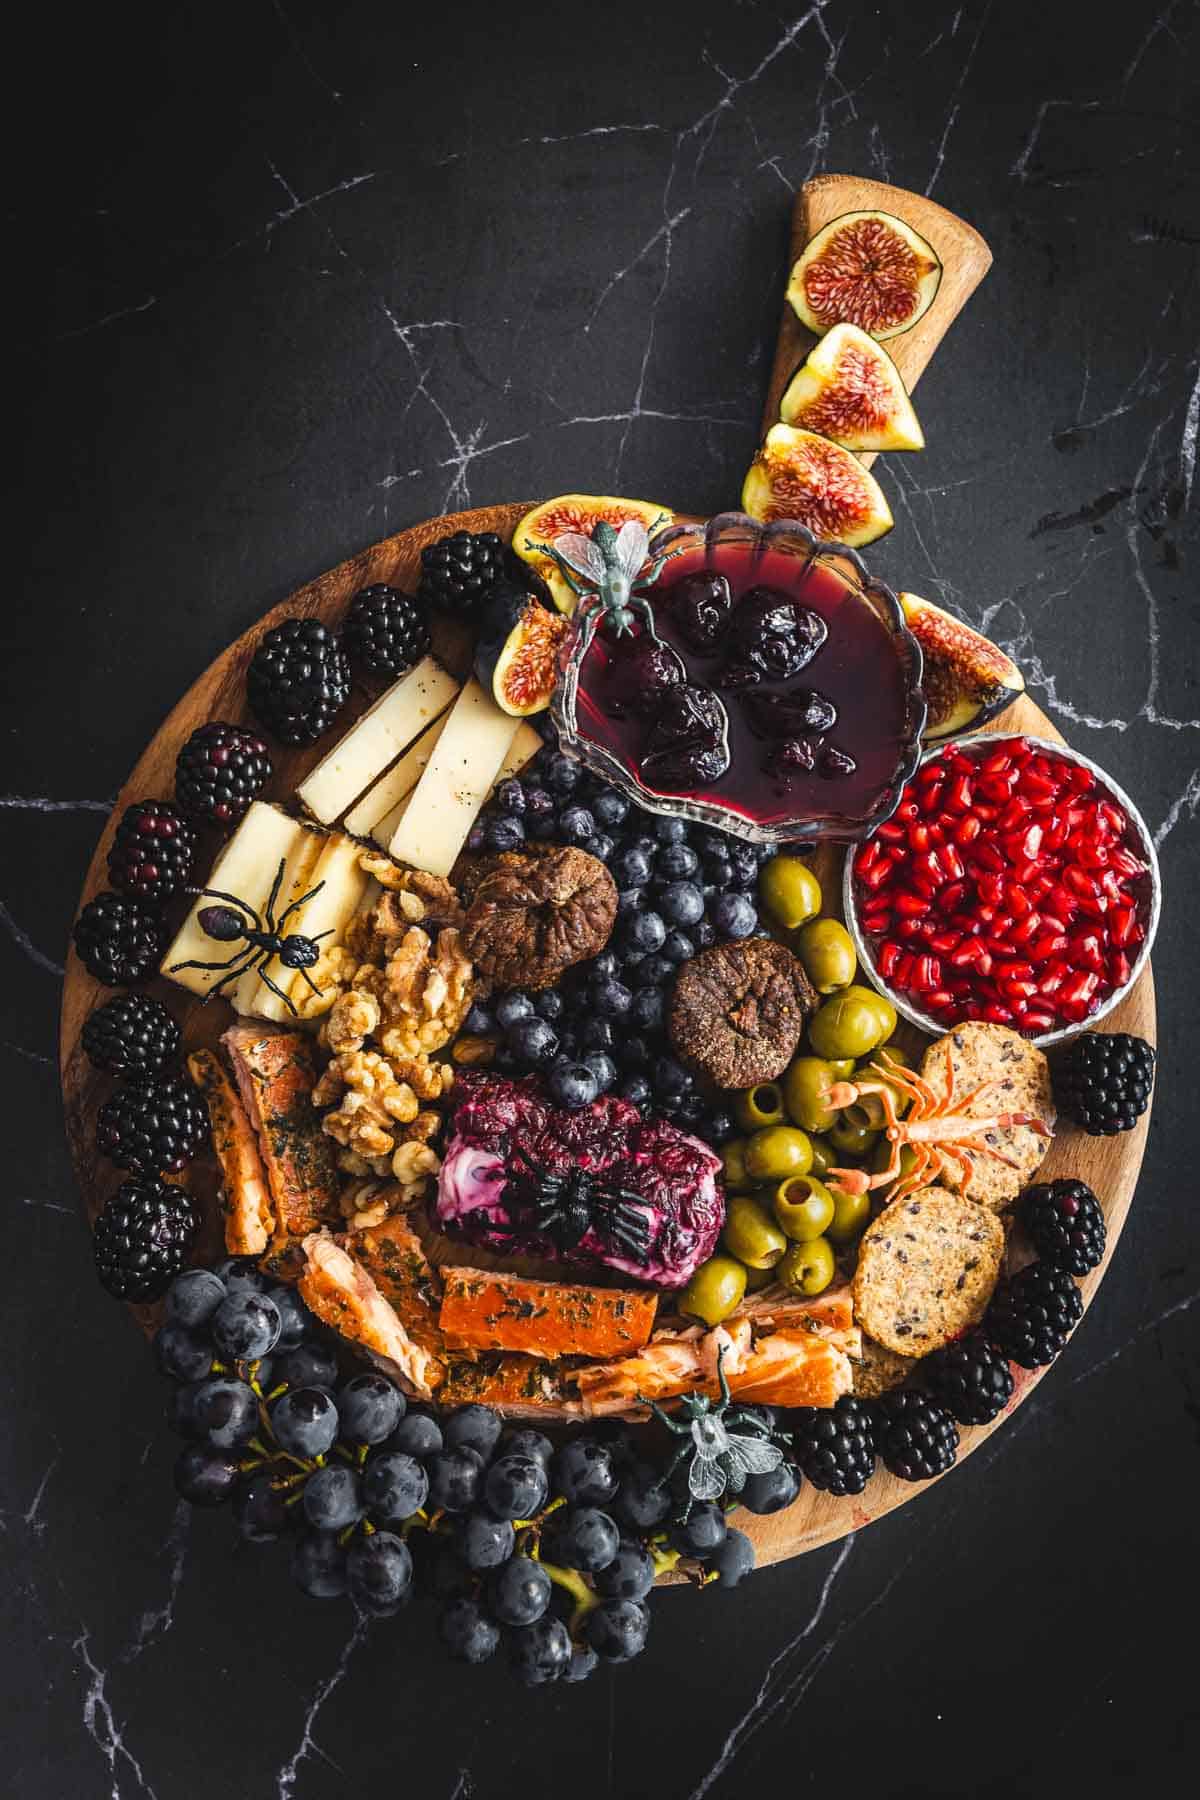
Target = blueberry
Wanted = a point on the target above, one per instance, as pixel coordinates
(503, 833)
(479, 1021)
(563, 774)
(333, 1498)
(671, 1079)
(635, 1089)
(245, 1326)
(611, 998)
(394, 1486)
(534, 1041)
(635, 1052)
(510, 798)
(735, 915)
(573, 1085)
(603, 1067)
(646, 931)
(701, 1532)
(682, 903)
(704, 934)
(744, 859)
(629, 901)
(652, 971)
(601, 846)
(631, 867)
(718, 869)
(678, 947)
(369, 1408)
(516, 1486)
(690, 1108)
(605, 964)
(539, 805)
(541, 1652)
(512, 1007)
(677, 861)
(549, 1005)
(576, 825)
(379, 1572)
(718, 1128)
(418, 1434)
(610, 807)
(225, 1412)
(670, 831)
(647, 1010)
(598, 1034)
(455, 1477)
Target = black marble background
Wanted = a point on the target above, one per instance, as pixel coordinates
(296, 276)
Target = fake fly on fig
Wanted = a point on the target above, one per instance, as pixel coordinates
(602, 570)
(262, 938)
(718, 1456)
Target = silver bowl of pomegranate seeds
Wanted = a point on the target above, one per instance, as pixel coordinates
(1015, 883)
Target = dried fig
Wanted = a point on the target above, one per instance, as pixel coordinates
(738, 1010)
(535, 913)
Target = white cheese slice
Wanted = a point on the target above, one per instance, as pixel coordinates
(252, 996)
(523, 748)
(400, 780)
(246, 867)
(456, 782)
(328, 913)
(384, 730)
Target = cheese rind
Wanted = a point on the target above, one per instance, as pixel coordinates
(399, 780)
(327, 914)
(246, 867)
(384, 730)
(456, 782)
(524, 746)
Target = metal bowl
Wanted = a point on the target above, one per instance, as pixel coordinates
(986, 742)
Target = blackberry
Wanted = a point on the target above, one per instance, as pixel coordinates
(834, 1446)
(970, 1379)
(219, 771)
(153, 851)
(131, 1035)
(458, 572)
(1033, 1315)
(119, 939)
(915, 1436)
(1102, 1081)
(1065, 1225)
(153, 1128)
(386, 631)
(298, 681)
(142, 1238)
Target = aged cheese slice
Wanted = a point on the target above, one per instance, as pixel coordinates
(455, 784)
(252, 996)
(330, 910)
(400, 780)
(524, 746)
(379, 736)
(246, 867)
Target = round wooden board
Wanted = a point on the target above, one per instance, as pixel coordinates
(1109, 1165)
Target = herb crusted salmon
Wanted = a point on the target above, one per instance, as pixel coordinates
(245, 1196)
(486, 1310)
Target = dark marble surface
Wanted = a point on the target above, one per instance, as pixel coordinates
(297, 276)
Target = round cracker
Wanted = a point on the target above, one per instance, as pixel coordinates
(926, 1269)
(1020, 1082)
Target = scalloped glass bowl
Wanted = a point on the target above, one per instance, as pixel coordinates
(1150, 906)
(786, 556)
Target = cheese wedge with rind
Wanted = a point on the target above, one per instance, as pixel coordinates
(385, 729)
(459, 776)
(252, 997)
(524, 747)
(327, 914)
(246, 867)
(398, 781)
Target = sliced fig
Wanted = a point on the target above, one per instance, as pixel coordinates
(800, 476)
(850, 390)
(868, 269)
(968, 680)
(582, 513)
(517, 654)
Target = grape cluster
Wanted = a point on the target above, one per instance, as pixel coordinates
(681, 887)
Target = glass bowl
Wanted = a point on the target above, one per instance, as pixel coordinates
(1149, 903)
(735, 539)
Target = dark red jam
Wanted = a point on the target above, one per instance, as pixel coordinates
(777, 691)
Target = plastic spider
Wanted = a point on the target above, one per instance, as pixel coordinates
(263, 938)
(565, 1206)
(602, 569)
(718, 1458)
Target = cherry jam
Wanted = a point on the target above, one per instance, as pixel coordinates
(777, 692)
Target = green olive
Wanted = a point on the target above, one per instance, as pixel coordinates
(759, 1278)
(759, 1106)
(843, 1067)
(715, 1290)
(824, 1156)
(808, 1268)
(803, 1207)
(805, 1086)
(846, 1025)
(827, 952)
(790, 891)
(882, 1005)
(850, 1215)
(778, 1151)
(883, 1156)
(852, 1135)
(751, 1234)
(733, 1155)
(875, 1068)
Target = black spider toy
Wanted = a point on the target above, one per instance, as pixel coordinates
(565, 1206)
(263, 938)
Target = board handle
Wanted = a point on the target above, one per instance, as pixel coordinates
(965, 257)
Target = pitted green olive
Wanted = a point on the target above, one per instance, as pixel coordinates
(824, 1156)
(733, 1155)
(827, 952)
(805, 1086)
(851, 1214)
(777, 1151)
(715, 1290)
(759, 1278)
(751, 1234)
(883, 1006)
(808, 1268)
(846, 1025)
(852, 1135)
(883, 1156)
(803, 1207)
(843, 1067)
(875, 1068)
(790, 891)
(759, 1106)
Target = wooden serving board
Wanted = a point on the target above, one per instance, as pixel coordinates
(1109, 1165)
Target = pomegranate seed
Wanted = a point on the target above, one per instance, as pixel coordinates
(907, 928)
(1126, 863)
(1024, 872)
(1014, 814)
(988, 856)
(1019, 903)
(1038, 788)
(880, 872)
(1093, 856)
(1119, 969)
(985, 813)
(891, 833)
(995, 1014)
(1056, 836)
(1014, 971)
(966, 954)
(907, 808)
(1028, 929)
(921, 976)
(952, 862)
(990, 889)
(1121, 920)
(1016, 987)
(1037, 1020)
(944, 941)
(967, 830)
(1079, 881)
(904, 969)
(987, 915)
(1080, 778)
(1110, 885)
(941, 1000)
(911, 906)
(918, 837)
(952, 895)
(958, 799)
(931, 795)
(1095, 906)
(889, 955)
(983, 962)
(1043, 948)
(1113, 817)
(996, 788)
(998, 763)
(1081, 985)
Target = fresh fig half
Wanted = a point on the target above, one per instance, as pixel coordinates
(868, 269)
(581, 513)
(850, 390)
(800, 476)
(516, 657)
(968, 680)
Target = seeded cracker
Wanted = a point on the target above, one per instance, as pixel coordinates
(926, 1270)
(977, 1053)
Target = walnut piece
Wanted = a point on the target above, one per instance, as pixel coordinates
(412, 895)
(427, 992)
(738, 1009)
(353, 1016)
(538, 912)
(332, 973)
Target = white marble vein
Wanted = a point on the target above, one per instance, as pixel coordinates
(464, 1787)
(41, 1205)
(33, 1512)
(22, 938)
(302, 54)
(38, 803)
(1186, 802)
(285, 1781)
(102, 1727)
(33, 1056)
(1187, 444)
(956, 96)
(124, 312)
(156, 1623)
(1160, 24)
(1151, 1325)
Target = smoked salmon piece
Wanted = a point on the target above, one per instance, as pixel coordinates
(520, 1387)
(786, 1368)
(245, 1197)
(344, 1297)
(793, 1368)
(830, 1312)
(485, 1310)
(394, 1257)
(275, 1078)
(667, 1367)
